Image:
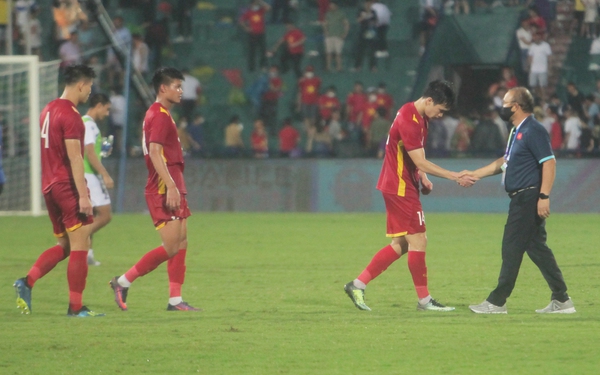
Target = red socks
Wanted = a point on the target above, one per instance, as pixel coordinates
(176, 269)
(418, 270)
(149, 262)
(380, 262)
(77, 271)
(45, 263)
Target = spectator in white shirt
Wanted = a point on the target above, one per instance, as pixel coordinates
(70, 52)
(191, 90)
(118, 120)
(524, 38)
(539, 51)
(572, 130)
(139, 54)
(382, 24)
(114, 67)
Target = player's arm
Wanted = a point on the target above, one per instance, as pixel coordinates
(73, 147)
(97, 165)
(425, 166)
(548, 175)
(156, 156)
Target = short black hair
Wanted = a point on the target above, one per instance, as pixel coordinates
(99, 98)
(164, 76)
(441, 92)
(77, 73)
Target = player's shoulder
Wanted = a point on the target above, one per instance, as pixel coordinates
(408, 112)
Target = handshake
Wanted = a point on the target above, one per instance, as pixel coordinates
(465, 178)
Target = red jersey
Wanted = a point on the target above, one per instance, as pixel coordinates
(328, 105)
(160, 128)
(292, 37)
(386, 101)
(357, 102)
(288, 138)
(59, 120)
(274, 91)
(368, 114)
(399, 174)
(309, 90)
(255, 19)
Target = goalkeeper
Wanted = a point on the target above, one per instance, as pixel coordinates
(97, 178)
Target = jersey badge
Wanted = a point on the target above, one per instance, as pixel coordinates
(519, 136)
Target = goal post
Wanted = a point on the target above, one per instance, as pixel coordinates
(25, 85)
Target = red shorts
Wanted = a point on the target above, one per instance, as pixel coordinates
(62, 202)
(404, 215)
(159, 212)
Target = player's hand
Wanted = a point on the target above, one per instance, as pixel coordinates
(467, 178)
(426, 185)
(108, 181)
(85, 206)
(543, 208)
(173, 199)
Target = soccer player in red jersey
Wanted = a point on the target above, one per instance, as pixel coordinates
(404, 171)
(65, 192)
(165, 193)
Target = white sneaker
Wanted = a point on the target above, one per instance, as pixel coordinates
(488, 308)
(556, 307)
(90, 259)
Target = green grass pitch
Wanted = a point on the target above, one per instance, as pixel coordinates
(271, 289)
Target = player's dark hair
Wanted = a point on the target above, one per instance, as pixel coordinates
(523, 98)
(98, 99)
(164, 76)
(441, 92)
(77, 73)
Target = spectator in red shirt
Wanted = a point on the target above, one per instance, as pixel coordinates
(385, 100)
(556, 131)
(536, 20)
(294, 40)
(308, 96)
(328, 103)
(289, 138)
(259, 140)
(270, 100)
(366, 117)
(355, 103)
(253, 21)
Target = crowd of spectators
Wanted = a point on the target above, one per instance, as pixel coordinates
(324, 120)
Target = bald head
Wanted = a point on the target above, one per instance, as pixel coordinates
(522, 97)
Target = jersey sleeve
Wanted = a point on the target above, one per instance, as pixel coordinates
(90, 134)
(538, 141)
(410, 131)
(72, 124)
(161, 124)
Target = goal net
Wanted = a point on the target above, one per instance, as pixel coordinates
(26, 85)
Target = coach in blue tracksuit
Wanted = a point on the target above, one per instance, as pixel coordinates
(528, 169)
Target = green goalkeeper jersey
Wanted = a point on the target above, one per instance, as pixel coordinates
(92, 136)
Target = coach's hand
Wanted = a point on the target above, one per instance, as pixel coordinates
(543, 208)
(173, 199)
(85, 206)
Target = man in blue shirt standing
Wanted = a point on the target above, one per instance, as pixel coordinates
(528, 167)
